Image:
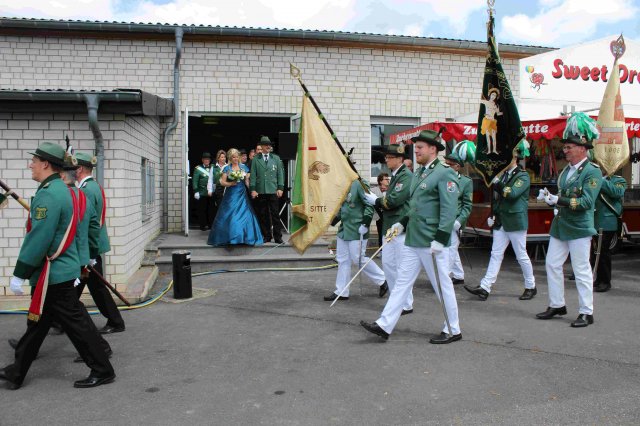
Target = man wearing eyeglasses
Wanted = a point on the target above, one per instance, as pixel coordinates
(572, 229)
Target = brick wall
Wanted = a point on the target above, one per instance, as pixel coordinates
(126, 141)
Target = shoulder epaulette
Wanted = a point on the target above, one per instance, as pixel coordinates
(594, 164)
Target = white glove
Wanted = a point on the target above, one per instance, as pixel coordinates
(491, 220)
(15, 285)
(93, 262)
(541, 194)
(196, 195)
(436, 247)
(551, 199)
(362, 230)
(456, 226)
(370, 198)
(397, 228)
(555, 212)
(77, 282)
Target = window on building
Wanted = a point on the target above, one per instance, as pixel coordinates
(381, 130)
(148, 180)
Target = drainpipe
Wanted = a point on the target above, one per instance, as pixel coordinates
(93, 102)
(171, 127)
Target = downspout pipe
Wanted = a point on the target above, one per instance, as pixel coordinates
(93, 103)
(179, 33)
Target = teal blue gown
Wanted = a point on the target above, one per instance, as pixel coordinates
(235, 222)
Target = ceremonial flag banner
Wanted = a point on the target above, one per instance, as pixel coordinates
(322, 180)
(499, 126)
(611, 150)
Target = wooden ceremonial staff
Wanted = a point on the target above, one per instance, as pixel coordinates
(100, 277)
(15, 196)
(295, 72)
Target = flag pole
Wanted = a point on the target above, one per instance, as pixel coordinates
(297, 74)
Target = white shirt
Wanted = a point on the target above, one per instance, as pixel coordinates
(79, 184)
(573, 168)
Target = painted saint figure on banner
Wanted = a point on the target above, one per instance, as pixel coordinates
(490, 121)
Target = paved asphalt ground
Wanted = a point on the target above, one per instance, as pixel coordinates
(265, 349)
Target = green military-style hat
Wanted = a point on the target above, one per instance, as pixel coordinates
(70, 162)
(395, 150)
(577, 140)
(264, 140)
(522, 149)
(206, 155)
(454, 157)
(51, 152)
(431, 137)
(86, 160)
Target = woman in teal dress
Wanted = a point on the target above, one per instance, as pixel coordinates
(235, 222)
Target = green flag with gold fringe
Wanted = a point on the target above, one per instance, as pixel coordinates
(499, 126)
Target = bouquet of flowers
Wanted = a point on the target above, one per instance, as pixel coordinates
(236, 175)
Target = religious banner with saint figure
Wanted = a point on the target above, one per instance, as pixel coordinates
(611, 149)
(499, 126)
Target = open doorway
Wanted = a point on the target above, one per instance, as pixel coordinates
(211, 133)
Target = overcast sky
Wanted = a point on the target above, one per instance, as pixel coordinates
(553, 23)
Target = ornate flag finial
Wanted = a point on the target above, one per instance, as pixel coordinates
(618, 47)
(294, 71)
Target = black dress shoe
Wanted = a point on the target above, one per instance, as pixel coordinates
(457, 281)
(93, 381)
(478, 291)
(443, 338)
(572, 277)
(583, 320)
(109, 329)
(13, 343)
(79, 358)
(11, 385)
(406, 312)
(552, 312)
(333, 296)
(601, 287)
(529, 293)
(384, 289)
(375, 329)
(279, 241)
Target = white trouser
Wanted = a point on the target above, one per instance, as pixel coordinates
(391, 256)
(346, 254)
(556, 256)
(457, 271)
(501, 240)
(408, 269)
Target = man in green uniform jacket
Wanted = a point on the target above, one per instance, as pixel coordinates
(205, 201)
(52, 209)
(608, 217)
(465, 202)
(101, 295)
(266, 184)
(433, 208)
(572, 229)
(355, 217)
(394, 205)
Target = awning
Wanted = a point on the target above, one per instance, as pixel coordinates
(535, 130)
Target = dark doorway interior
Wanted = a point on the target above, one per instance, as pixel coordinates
(213, 133)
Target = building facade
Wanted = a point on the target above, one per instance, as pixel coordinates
(235, 78)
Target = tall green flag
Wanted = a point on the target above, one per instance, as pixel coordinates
(499, 126)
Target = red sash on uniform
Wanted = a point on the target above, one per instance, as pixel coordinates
(103, 215)
(40, 291)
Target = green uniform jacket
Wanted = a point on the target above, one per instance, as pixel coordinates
(266, 178)
(511, 209)
(51, 211)
(395, 203)
(612, 191)
(92, 190)
(353, 213)
(576, 202)
(433, 206)
(200, 179)
(465, 200)
(89, 221)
